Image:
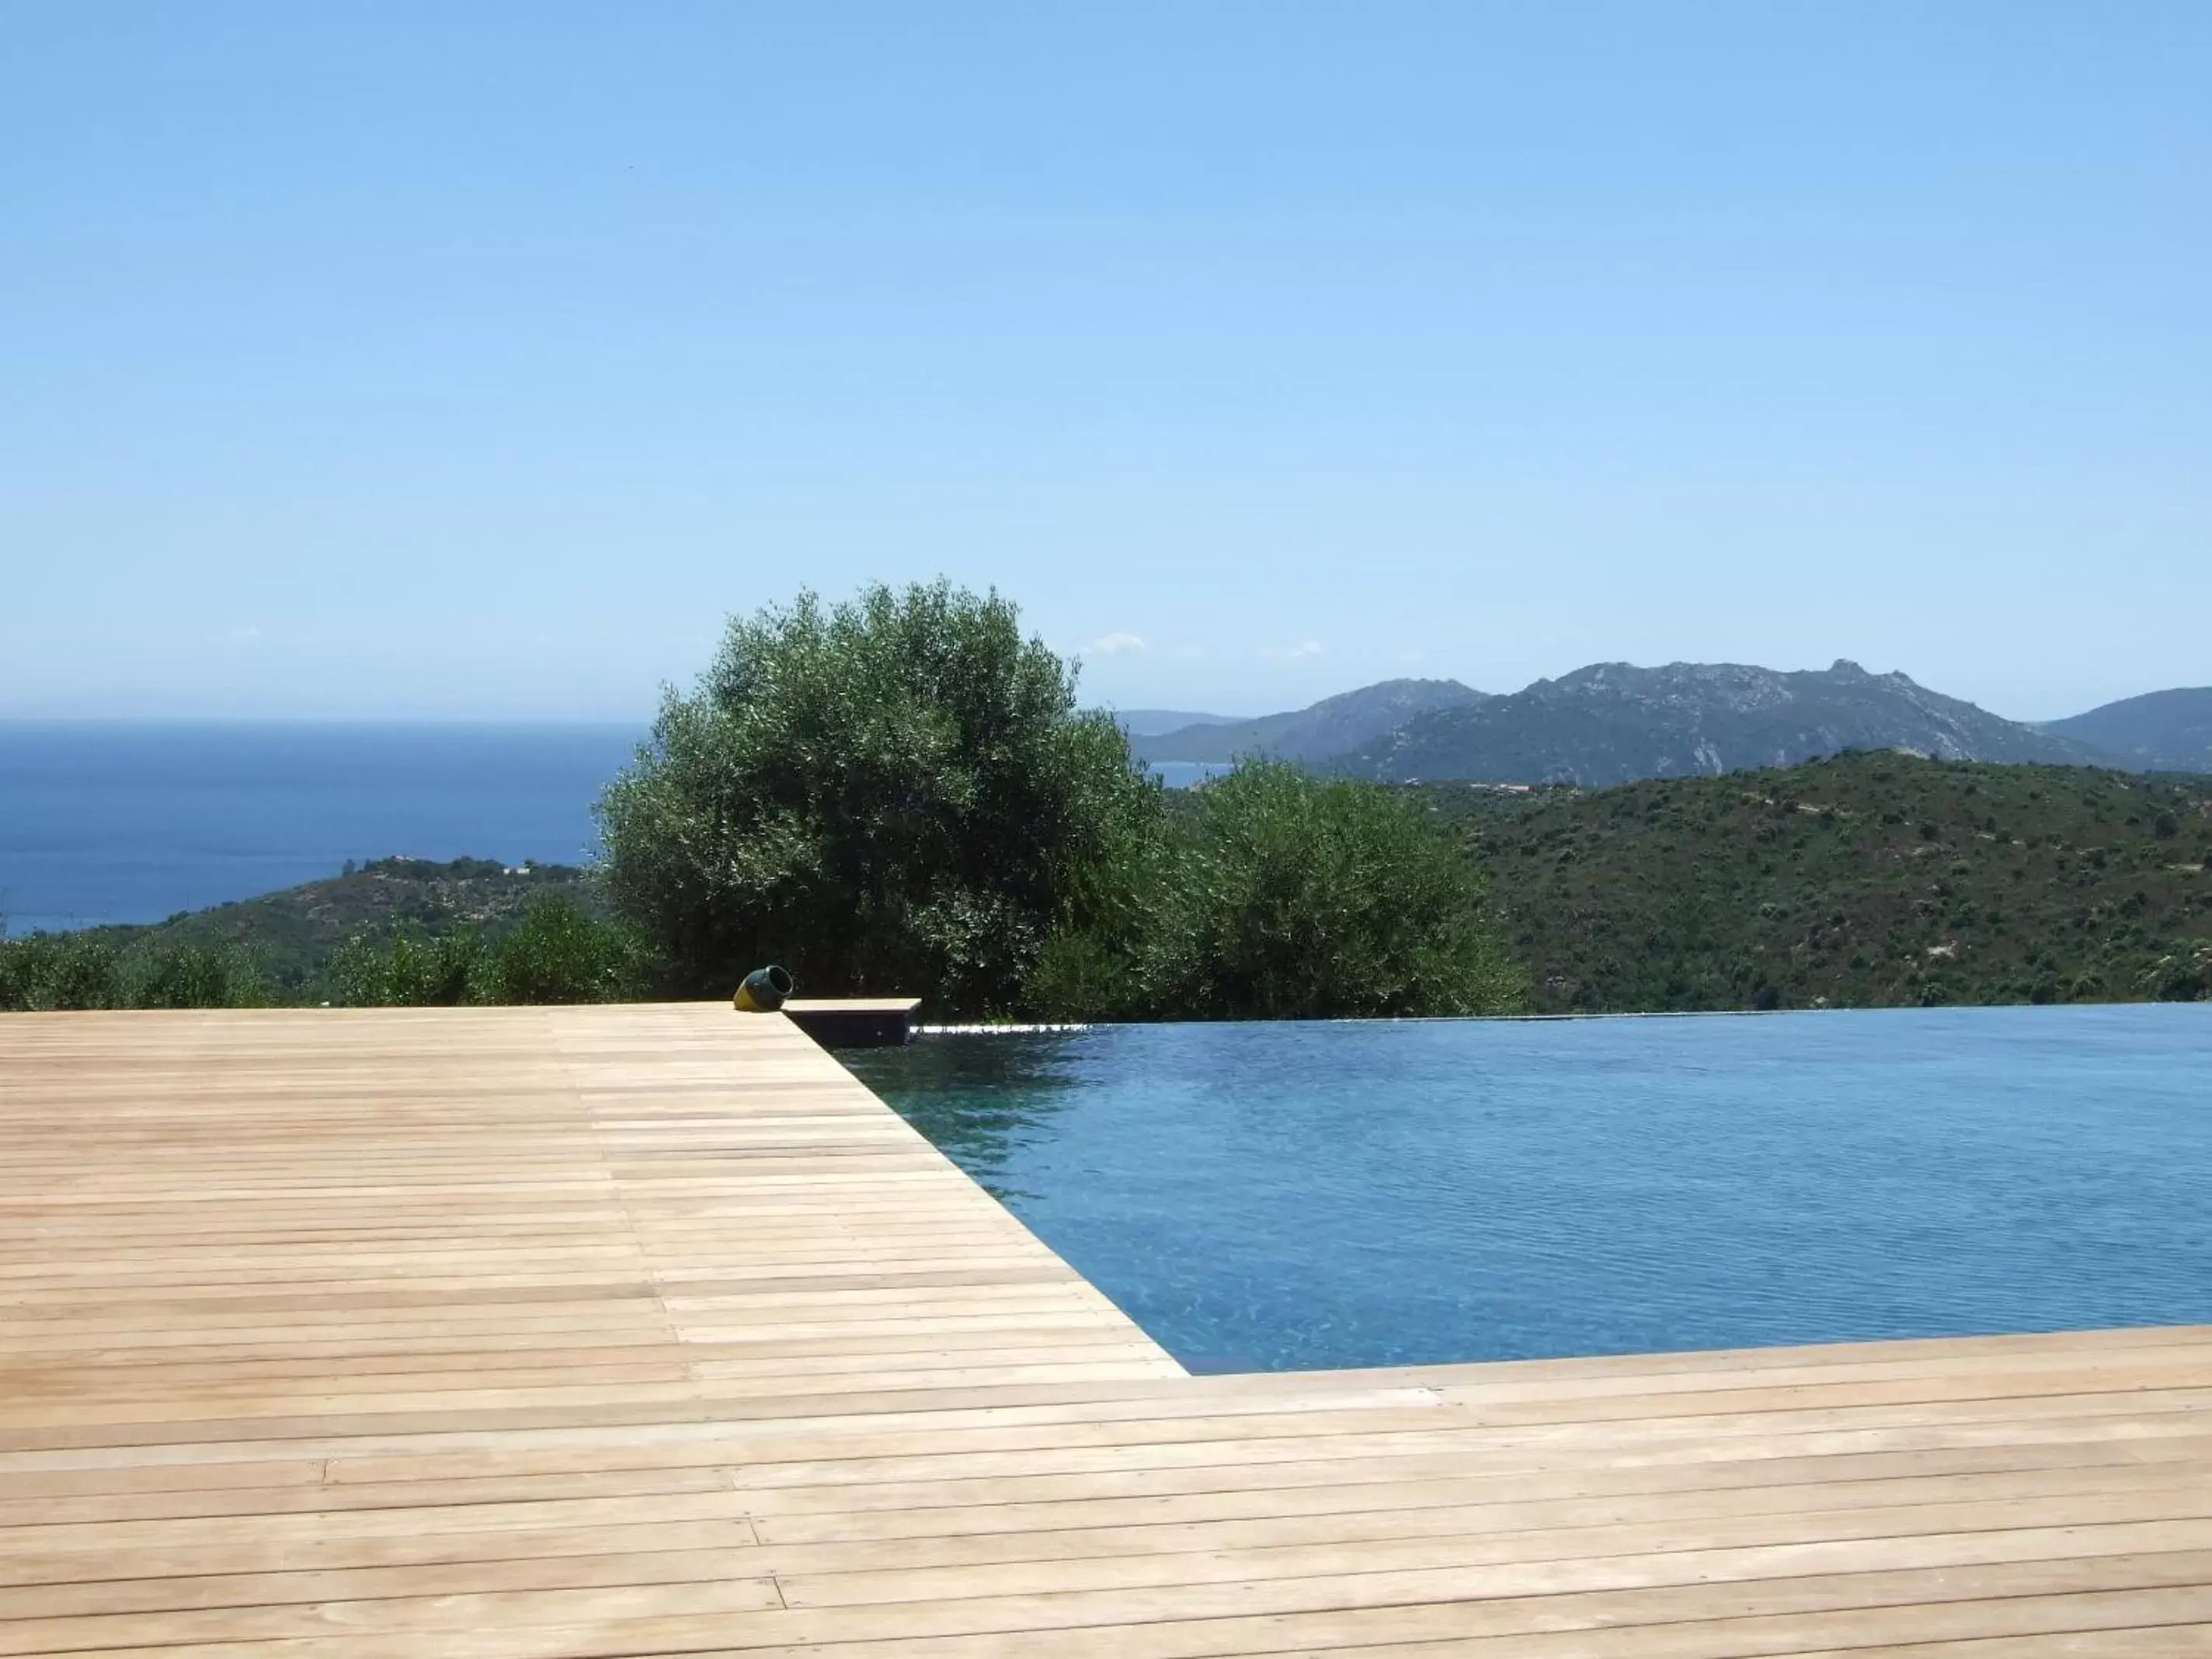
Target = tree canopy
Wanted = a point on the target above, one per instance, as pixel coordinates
(900, 792)
(897, 792)
(1278, 896)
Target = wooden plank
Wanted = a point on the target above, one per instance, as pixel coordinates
(535, 1332)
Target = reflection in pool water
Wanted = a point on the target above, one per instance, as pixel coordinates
(1297, 1195)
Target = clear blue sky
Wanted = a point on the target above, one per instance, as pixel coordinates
(477, 360)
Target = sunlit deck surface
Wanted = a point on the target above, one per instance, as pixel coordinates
(642, 1331)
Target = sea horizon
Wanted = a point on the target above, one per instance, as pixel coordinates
(125, 821)
(130, 821)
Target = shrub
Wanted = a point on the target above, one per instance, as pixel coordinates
(83, 970)
(2184, 976)
(59, 970)
(407, 972)
(558, 954)
(192, 976)
(1287, 897)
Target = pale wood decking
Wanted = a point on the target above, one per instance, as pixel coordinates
(648, 1331)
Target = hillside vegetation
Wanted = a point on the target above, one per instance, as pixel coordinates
(295, 933)
(1870, 880)
(900, 793)
(395, 930)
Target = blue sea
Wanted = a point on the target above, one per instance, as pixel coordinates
(1185, 774)
(133, 821)
(1295, 1196)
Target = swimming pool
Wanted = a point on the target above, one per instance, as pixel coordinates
(1284, 1196)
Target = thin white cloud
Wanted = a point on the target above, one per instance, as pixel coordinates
(1302, 650)
(1115, 645)
(245, 634)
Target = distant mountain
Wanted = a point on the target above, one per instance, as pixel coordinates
(1613, 722)
(1153, 722)
(2158, 731)
(1329, 727)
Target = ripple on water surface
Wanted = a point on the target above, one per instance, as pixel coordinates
(1273, 1196)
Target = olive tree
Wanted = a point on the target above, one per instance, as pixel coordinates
(895, 793)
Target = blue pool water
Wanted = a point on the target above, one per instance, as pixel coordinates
(1311, 1196)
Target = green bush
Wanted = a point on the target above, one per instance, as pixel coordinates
(2183, 975)
(558, 954)
(59, 970)
(83, 970)
(1284, 897)
(896, 794)
(407, 972)
(193, 976)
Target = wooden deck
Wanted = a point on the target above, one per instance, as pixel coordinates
(458, 1335)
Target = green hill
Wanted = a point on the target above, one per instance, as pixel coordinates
(1869, 880)
(295, 933)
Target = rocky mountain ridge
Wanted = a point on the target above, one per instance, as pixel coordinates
(1610, 723)
(1328, 728)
